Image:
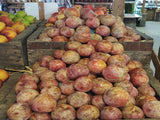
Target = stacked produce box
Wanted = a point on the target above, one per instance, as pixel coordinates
(86, 64)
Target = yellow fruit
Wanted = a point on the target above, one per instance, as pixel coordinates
(61, 16)
(3, 39)
(19, 27)
(2, 26)
(4, 75)
(8, 28)
(49, 24)
(10, 34)
(4, 13)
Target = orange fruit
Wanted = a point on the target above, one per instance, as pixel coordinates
(48, 24)
(10, 34)
(4, 75)
(3, 39)
(19, 26)
(2, 26)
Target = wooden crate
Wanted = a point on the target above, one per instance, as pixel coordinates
(150, 13)
(154, 79)
(140, 50)
(156, 63)
(37, 49)
(8, 96)
(13, 54)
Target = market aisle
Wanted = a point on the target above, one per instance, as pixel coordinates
(152, 29)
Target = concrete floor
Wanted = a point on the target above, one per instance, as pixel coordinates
(152, 29)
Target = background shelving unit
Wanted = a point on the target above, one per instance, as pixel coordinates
(15, 5)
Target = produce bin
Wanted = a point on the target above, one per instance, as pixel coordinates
(37, 49)
(140, 50)
(8, 96)
(13, 54)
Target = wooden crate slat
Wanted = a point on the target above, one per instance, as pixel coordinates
(159, 54)
(155, 84)
(14, 53)
(143, 57)
(118, 8)
(156, 64)
(7, 94)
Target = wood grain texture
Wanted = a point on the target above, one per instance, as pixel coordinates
(118, 8)
(143, 56)
(154, 83)
(156, 63)
(37, 48)
(41, 10)
(35, 55)
(140, 50)
(159, 54)
(7, 94)
(14, 53)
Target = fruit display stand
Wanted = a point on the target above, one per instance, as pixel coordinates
(13, 54)
(46, 70)
(140, 50)
(8, 95)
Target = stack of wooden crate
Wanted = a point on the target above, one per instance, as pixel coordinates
(26, 49)
(16, 5)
